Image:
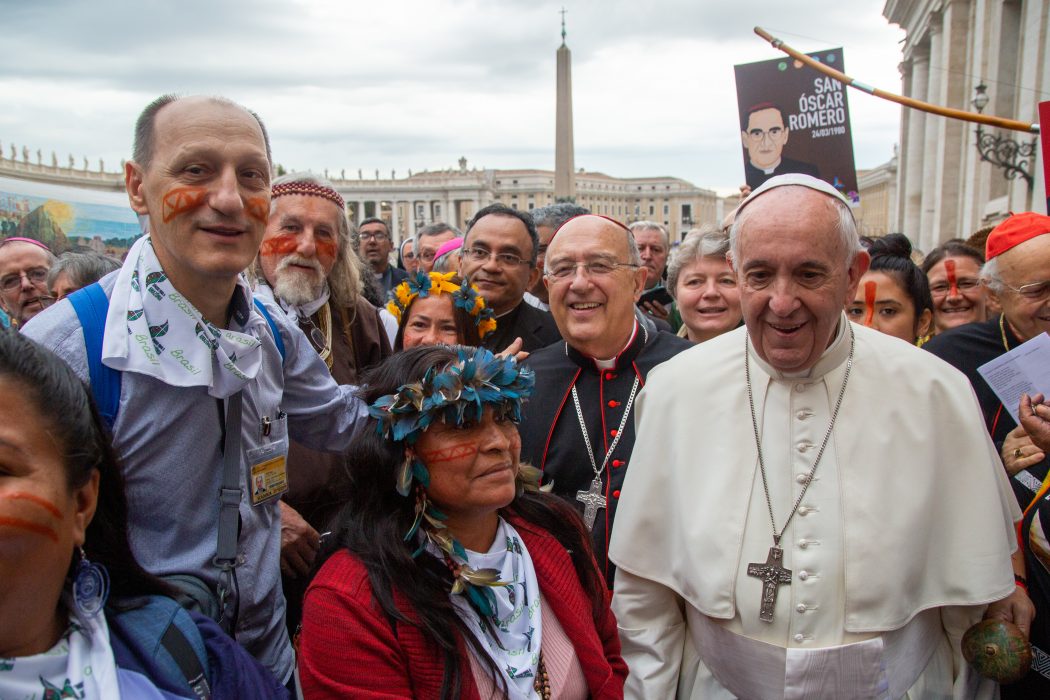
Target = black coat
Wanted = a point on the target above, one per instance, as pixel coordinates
(552, 440)
(535, 327)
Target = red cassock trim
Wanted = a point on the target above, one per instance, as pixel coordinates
(557, 415)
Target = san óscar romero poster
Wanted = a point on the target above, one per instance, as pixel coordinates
(794, 119)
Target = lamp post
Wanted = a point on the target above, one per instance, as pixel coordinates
(1012, 156)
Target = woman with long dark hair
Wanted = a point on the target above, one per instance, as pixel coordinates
(439, 307)
(79, 617)
(450, 575)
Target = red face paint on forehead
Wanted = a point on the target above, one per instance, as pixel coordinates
(283, 244)
(869, 302)
(949, 269)
(449, 454)
(29, 526)
(181, 200)
(258, 208)
(34, 499)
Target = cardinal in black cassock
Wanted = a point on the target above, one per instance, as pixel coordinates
(551, 434)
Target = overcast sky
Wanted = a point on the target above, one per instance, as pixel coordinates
(416, 84)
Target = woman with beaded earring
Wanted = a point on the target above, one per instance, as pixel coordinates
(79, 617)
(450, 575)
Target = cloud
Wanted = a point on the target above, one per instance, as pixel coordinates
(417, 84)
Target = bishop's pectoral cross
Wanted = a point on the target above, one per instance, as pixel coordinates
(593, 499)
(773, 575)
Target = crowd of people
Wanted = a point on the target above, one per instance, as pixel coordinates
(272, 454)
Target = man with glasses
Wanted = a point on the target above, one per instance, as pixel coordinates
(1017, 276)
(764, 136)
(579, 427)
(24, 264)
(376, 246)
(427, 241)
(499, 257)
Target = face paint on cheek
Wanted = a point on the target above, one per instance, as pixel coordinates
(326, 249)
(449, 454)
(29, 526)
(181, 200)
(284, 244)
(258, 208)
(34, 499)
(953, 287)
(869, 303)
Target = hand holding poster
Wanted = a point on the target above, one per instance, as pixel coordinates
(793, 119)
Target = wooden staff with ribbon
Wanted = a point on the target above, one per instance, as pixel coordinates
(899, 99)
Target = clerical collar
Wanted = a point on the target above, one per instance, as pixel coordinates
(833, 357)
(634, 345)
(771, 170)
(508, 313)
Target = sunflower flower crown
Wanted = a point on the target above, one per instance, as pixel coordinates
(455, 395)
(464, 295)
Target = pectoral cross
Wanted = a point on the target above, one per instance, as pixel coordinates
(773, 575)
(593, 499)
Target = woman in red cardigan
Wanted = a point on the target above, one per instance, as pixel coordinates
(451, 575)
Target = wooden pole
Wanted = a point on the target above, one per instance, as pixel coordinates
(899, 99)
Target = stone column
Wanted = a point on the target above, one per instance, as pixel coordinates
(912, 152)
(929, 221)
(395, 224)
(360, 213)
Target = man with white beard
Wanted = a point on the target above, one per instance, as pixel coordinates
(313, 273)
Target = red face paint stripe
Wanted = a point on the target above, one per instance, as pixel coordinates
(181, 200)
(869, 303)
(326, 248)
(29, 526)
(258, 208)
(953, 286)
(283, 244)
(37, 500)
(448, 454)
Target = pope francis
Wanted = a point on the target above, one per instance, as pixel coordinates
(815, 509)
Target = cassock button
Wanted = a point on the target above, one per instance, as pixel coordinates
(802, 415)
(612, 432)
(801, 607)
(610, 375)
(803, 575)
(613, 404)
(803, 544)
(803, 510)
(799, 638)
(616, 493)
(802, 478)
(799, 388)
(617, 463)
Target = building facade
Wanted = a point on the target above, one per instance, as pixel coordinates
(944, 189)
(453, 195)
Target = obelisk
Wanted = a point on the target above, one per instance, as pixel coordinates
(564, 163)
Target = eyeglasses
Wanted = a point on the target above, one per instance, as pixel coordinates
(967, 284)
(757, 135)
(503, 259)
(373, 235)
(36, 275)
(595, 268)
(1035, 291)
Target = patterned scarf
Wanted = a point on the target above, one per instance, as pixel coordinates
(512, 635)
(80, 665)
(154, 330)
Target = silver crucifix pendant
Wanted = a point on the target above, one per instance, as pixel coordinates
(593, 499)
(773, 575)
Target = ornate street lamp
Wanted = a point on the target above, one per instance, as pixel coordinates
(1012, 156)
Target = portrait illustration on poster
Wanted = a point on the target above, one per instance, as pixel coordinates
(793, 119)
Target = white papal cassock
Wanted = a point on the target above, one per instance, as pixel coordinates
(901, 540)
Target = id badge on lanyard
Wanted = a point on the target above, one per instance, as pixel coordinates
(268, 475)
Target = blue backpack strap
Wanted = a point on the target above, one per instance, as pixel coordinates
(157, 638)
(273, 326)
(92, 305)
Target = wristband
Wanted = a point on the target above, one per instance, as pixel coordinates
(1021, 581)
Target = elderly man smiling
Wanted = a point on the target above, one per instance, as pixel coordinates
(579, 427)
(805, 518)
